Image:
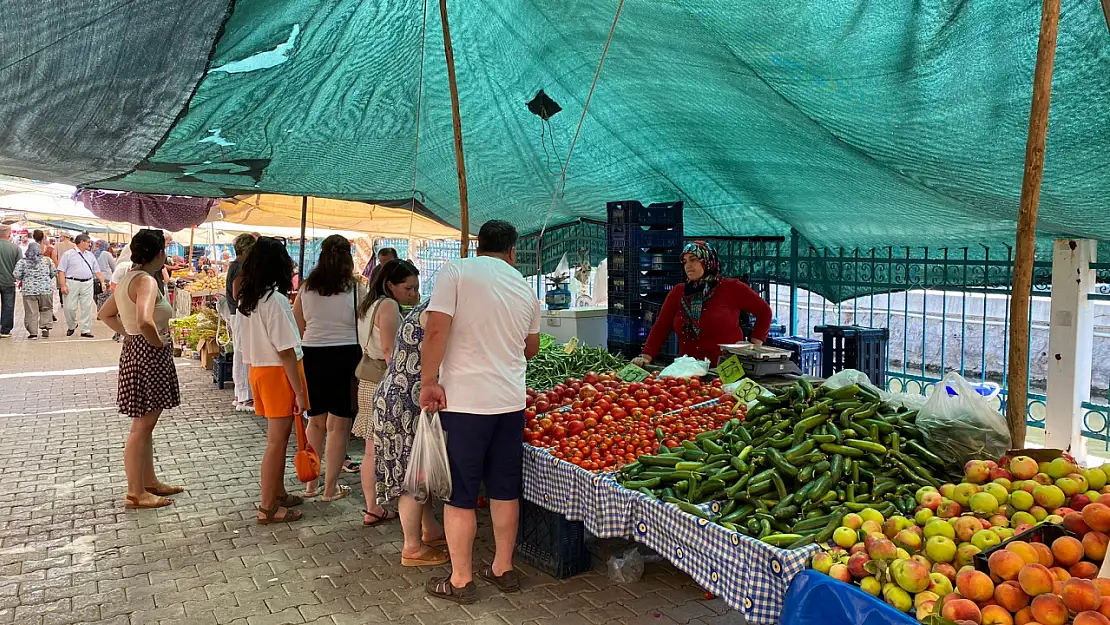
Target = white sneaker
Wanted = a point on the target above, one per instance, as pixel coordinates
(244, 407)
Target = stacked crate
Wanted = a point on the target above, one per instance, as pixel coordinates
(645, 243)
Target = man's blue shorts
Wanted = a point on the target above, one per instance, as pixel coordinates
(484, 448)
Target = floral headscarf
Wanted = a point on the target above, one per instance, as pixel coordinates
(697, 292)
(33, 253)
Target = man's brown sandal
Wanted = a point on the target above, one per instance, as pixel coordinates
(271, 515)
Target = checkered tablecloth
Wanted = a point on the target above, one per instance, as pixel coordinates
(749, 575)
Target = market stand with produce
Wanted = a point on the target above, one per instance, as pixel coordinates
(737, 497)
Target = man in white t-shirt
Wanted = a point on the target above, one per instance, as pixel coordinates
(483, 324)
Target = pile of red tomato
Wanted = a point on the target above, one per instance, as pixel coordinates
(606, 423)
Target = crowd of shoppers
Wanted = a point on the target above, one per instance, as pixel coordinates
(359, 360)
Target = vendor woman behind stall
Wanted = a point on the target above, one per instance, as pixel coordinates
(705, 310)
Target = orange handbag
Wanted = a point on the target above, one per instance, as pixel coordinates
(307, 461)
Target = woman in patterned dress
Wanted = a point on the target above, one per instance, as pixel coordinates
(147, 377)
(396, 408)
(379, 317)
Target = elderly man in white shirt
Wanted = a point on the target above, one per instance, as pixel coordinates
(76, 271)
(483, 325)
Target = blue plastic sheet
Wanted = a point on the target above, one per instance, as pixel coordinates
(816, 599)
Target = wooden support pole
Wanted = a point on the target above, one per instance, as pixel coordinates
(456, 122)
(1018, 378)
(1106, 12)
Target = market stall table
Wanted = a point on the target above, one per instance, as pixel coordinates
(750, 576)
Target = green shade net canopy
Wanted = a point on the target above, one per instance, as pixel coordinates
(860, 124)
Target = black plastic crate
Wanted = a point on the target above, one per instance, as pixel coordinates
(633, 235)
(853, 347)
(774, 331)
(633, 287)
(1042, 533)
(551, 543)
(630, 260)
(806, 352)
(666, 355)
(221, 370)
(633, 212)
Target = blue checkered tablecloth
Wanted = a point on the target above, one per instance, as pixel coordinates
(751, 576)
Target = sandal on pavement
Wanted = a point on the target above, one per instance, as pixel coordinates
(343, 492)
(386, 515)
(349, 466)
(165, 490)
(310, 493)
(443, 589)
(428, 557)
(439, 542)
(134, 503)
(506, 582)
(271, 515)
(290, 501)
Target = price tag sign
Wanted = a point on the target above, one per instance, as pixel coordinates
(730, 370)
(571, 345)
(632, 373)
(749, 390)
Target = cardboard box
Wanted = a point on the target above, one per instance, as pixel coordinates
(208, 349)
(1040, 455)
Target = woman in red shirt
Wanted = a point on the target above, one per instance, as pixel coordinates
(705, 310)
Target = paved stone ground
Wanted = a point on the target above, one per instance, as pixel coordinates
(70, 553)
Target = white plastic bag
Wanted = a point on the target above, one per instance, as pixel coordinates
(897, 401)
(963, 426)
(627, 569)
(685, 367)
(428, 474)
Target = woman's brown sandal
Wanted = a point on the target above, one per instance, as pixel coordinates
(165, 490)
(429, 557)
(387, 515)
(133, 503)
(271, 515)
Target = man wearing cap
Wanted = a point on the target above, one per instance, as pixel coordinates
(76, 272)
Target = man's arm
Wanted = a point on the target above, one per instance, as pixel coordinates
(531, 346)
(438, 326)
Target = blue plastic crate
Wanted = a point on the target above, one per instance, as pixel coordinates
(551, 543)
(633, 235)
(633, 212)
(806, 352)
(626, 329)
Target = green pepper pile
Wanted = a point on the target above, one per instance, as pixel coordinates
(552, 365)
(801, 460)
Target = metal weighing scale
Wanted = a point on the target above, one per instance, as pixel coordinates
(761, 361)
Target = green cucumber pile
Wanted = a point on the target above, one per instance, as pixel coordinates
(802, 459)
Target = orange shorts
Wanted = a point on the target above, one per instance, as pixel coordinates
(273, 395)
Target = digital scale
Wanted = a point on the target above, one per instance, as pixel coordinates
(761, 361)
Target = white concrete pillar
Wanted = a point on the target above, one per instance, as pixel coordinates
(1070, 343)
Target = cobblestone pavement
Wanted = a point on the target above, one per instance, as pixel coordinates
(70, 553)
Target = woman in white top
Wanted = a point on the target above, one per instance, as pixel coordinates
(272, 347)
(147, 376)
(325, 314)
(396, 284)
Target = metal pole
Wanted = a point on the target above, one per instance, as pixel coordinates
(304, 221)
(456, 123)
(793, 282)
(1018, 379)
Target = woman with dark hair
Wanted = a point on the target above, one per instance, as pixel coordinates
(272, 347)
(139, 312)
(325, 314)
(387, 408)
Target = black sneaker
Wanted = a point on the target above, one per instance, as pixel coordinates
(32, 336)
(70, 332)
(87, 335)
(45, 333)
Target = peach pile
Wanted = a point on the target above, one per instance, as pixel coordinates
(927, 564)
